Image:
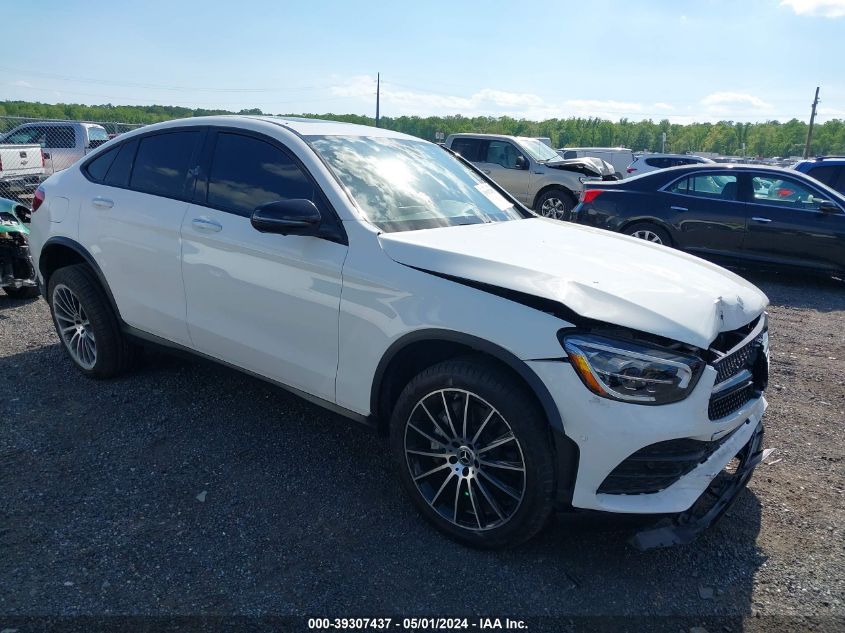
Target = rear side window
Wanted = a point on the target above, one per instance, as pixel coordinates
(99, 167)
(660, 163)
(120, 169)
(247, 172)
(60, 137)
(570, 154)
(162, 162)
(469, 148)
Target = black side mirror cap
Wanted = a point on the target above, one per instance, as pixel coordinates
(297, 216)
(521, 162)
(828, 206)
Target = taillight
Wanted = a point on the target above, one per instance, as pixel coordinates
(38, 199)
(588, 195)
(631, 170)
(1, 164)
(784, 192)
(43, 164)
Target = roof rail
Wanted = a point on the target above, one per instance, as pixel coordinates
(829, 156)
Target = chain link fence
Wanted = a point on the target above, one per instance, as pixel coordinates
(33, 149)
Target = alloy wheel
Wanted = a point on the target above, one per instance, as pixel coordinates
(464, 459)
(74, 327)
(553, 208)
(648, 236)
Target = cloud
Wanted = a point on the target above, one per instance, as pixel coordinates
(660, 105)
(484, 102)
(20, 83)
(819, 8)
(726, 102)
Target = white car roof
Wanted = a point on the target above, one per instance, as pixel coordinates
(303, 127)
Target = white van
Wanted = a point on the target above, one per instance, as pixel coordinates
(619, 157)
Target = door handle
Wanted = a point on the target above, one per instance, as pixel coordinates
(102, 203)
(758, 219)
(674, 208)
(486, 171)
(206, 226)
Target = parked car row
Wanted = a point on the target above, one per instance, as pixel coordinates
(519, 365)
(32, 151)
(530, 170)
(747, 214)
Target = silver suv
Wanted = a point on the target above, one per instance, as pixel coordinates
(527, 168)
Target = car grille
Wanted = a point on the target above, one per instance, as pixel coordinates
(658, 466)
(722, 406)
(742, 375)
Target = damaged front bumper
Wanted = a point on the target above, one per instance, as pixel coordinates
(711, 505)
(16, 270)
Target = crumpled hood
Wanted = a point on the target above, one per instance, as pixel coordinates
(595, 273)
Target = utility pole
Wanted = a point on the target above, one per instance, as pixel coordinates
(378, 94)
(810, 129)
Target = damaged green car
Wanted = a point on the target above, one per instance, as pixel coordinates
(17, 275)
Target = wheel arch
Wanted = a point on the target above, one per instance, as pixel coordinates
(59, 252)
(650, 219)
(417, 350)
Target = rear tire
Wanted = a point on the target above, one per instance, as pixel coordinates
(650, 233)
(484, 473)
(86, 324)
(24, 292)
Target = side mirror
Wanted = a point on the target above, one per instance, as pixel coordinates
(287, 217)
(828, 206)
(521, 162)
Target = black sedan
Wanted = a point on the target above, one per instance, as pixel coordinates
(740, 213)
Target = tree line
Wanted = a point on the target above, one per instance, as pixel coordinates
(769, 138)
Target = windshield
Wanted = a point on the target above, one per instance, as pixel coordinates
(97, 133)
(538, 150)
(405, 185)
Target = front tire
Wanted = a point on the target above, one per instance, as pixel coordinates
(555, 204)
(86, 324)
(473, 453)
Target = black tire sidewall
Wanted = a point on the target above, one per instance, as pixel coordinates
(24, 292)
(109, 340)
(528, 424)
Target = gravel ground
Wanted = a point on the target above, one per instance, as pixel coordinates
(187, 488)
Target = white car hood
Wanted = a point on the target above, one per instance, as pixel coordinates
(595, 273)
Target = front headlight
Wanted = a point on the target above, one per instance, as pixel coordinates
(632, 372)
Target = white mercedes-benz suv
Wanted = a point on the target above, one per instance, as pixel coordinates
(519, 365)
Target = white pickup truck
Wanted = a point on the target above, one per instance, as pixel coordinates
(63, 142)
(21, 171)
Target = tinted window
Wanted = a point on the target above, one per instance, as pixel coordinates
(784, 192)
(98, 167)
(570, 154)
(660, 163)
(716, 186)
(161, 164)
(59, 137)
(828, 174)
(247, 172)
(118, 174)
(502, 153)
(469, 148)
